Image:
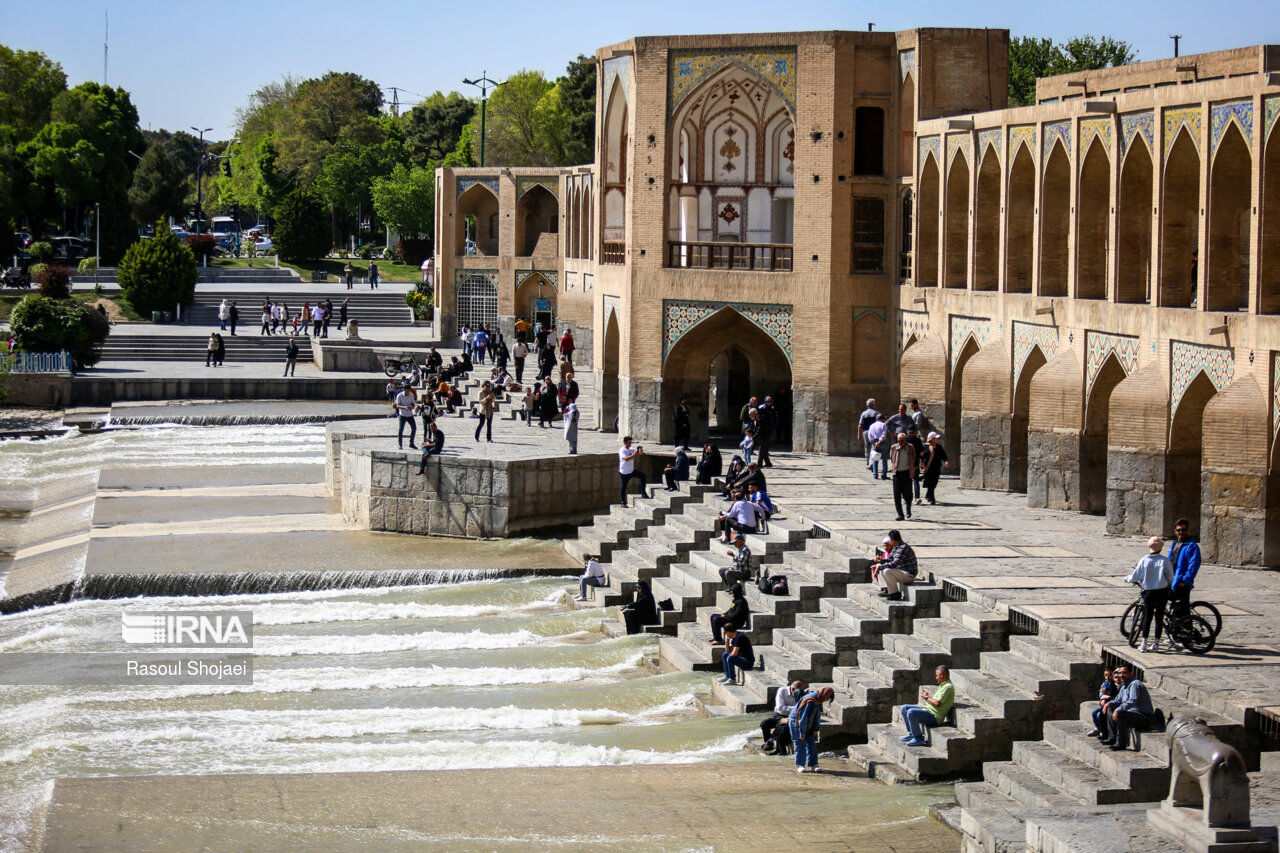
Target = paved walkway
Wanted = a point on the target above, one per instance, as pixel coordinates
(1060, 569)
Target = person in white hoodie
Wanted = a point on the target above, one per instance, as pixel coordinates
(224, 314)
(1154, 576)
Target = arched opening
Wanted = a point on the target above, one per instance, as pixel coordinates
(1055, 217)
(477, 226)
(1019, 242)
(1269, 284)
(537, 222)
(869, 348)
(1019, 423)
(584, 223)
(609, 375)
(1180, 224)
(1093, 443)
(571, 225)
(986, 223)
(955, 404)
(906, 214)
(1133, 220)
(956, 250)
(614, 151)
(536, 301)
(1186, 443)
(477, 301)
(717, 366)
(907, 126)
(868, 141)
(1093, 211)
(1230, 196)
(927, 215)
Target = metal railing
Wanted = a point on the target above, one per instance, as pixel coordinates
(757, 257)
(613, 252)
(39, 362)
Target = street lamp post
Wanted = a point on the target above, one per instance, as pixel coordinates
(200, 177)
(482, 83)
(97, 242)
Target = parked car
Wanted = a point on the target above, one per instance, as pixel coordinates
(70, 248)
(264, 246)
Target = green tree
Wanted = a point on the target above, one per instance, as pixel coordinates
(461, 157)
(42, 324)
(158, 273)
(302, 227)
(578, 99)
(433, 127)
(159, 187)
(29, 82)
(1031, 58)
(513, 125)
(407, 200)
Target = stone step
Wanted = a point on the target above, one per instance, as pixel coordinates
(962, 645)
(1078, 780)
(682, 655)
(991, 627)
(803, 645)
(866, 689)
(1031, 677)
(741, 698)
(1070, 663)
(996, 694)
(869, 759)
(858, 620)
(921, 602)
(1127, 768)
(924, 655)
(946, 754)
(904, 676)
(835, 635)
(1025, 787)
(776, 666)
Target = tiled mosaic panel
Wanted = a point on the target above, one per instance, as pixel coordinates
(1175, 120)
(1027, 336)
(525, 183)
(1096, 127)
(873, 310)
(465, 183)
(1188, 359)
(1220, 118)
(1099, 345)
(907, 63)
(959, 142)
(524, 275)
(911, 323)
(1270, 111)
(1275, 391)
(612, 304)
(1135, 124)
(686, 69)
(1057, 131)
(928, 144)
(681, 315)
(993, 137)
(981, 329)
(618, 68)
(1022, 134)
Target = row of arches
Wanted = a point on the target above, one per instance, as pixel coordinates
(1104, 230)
(537, 222)
(578, 235)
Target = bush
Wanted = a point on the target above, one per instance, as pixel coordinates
(36, 270)
(421, 303)
(413, 251)
(41, 324)
(203, 246)
(157, 274)
(88, 266)
(55, 282)
(41, 251)
(302, 227)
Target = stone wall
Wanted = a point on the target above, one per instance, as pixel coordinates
(472, 498)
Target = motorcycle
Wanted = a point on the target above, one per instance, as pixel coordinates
(15, 277)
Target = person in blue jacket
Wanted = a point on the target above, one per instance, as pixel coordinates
(806, 719)
(1184, 553)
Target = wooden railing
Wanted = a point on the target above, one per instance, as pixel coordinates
(759, 257)
(613, 252)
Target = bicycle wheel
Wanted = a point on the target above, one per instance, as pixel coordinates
(1135, 629)
(1196, 635)
(1208, 613)
(1127, 621)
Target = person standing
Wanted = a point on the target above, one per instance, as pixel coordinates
(373, 276)
(233, 316)
(567, 345)
(777, 736)
(328, 315)
(291, 357)
(865, 420)
(224, 313)
(317, 319)
(935, 459)
(349, 273)
(266, 321)
(680, 418)
(878, 455)
(805, 721)
(546, 361)
(766, 429)
(212, 349)
(277, 318)
(221, 352)
(1184, 554)
(902, 462)
(518, 354)
(342, 312)
(487, 401)
(405, 403)
(1154, 575)
(900, 422)
(479, 344)
(932, 710)
(627, 470)
(737, 654)
(571, 427)
(426, 269)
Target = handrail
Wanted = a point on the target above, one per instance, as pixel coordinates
(613, 252)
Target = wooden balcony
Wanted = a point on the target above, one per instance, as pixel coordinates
(754, 257)
(613, 252)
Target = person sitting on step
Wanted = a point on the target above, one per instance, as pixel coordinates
(643, 610)
(678, 470)
(737, 654)
(932, 711)
(736, 615)
(1131, 710)
(899, 569)
(734, 472)
(777, 735)
(592, 575)
(743, 516)
(741, 568)
(432, 445)
(1106, 693)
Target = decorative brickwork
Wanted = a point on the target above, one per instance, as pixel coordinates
(1135, 124)
(1028, 336)
(465, 183)
(1188, 359)
(981, 329)
(993, 137)
(524, 183)
(686, 69)
(911, 324)
(1223, 114)
(875, 310)
(1057, 131)
(1094, 127)
(681, 315)
(618, 68)
(1099, 345)
(1175, 120)
(1021, 134)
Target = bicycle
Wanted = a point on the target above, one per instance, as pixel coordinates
(1187, 629)
(1203, 609)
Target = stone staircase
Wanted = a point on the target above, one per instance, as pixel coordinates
(370, 308)
(240, 349)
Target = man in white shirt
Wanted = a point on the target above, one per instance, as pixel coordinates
(627, 469)
(777, 737)
(406, 404)
(743, 517)
(317, 319)
(592, 575)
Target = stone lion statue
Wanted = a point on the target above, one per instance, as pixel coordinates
(1207, 773)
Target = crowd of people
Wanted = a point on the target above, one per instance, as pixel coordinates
(895, 450)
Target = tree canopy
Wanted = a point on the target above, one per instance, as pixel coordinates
(406, 200)
(432, 128)
(1030, 58)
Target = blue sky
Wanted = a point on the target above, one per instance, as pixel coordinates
(186, 67)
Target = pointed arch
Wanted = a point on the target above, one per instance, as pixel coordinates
(609, 371)
(956, 245)
(955, 398)
(869, 349)
(1093, 222)
(1227, 270)
(537, 222)
(926, 248)
(1180, 223)
(907, 125)
(1186, 447)
(477, 231)
(1133, 220)
(986, 222)
(1019, 243)
(1093, 442)
(1269, 268)
(1021, 419)
(1055, 218)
